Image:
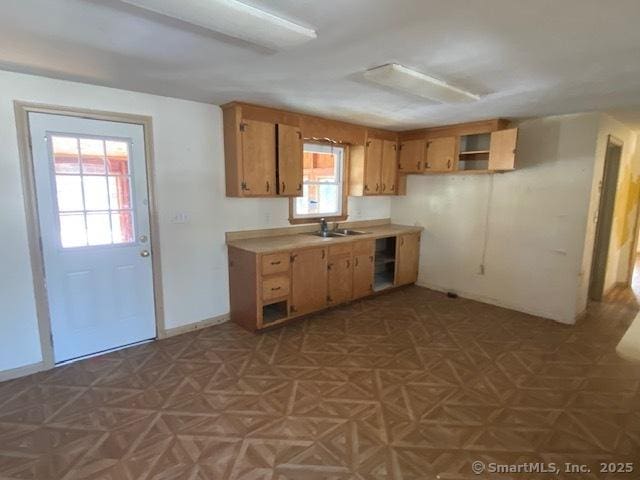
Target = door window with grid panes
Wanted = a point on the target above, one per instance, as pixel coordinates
(93, 190)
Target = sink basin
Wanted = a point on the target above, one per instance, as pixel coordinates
(326, 234)
(345, 232)
(341, 232)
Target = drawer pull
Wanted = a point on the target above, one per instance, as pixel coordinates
(273, 289)
(276, 263)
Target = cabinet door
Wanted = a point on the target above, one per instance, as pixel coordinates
(411, 157)
(362, 274)
(407, 257)
(372, 167)
(340, 279)
(289, 161)
(389, 167)
(440, 154)
(308, 280)
(502, 152)
(258, 158)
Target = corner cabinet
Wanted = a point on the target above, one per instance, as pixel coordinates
(270, 289)
(263, 152)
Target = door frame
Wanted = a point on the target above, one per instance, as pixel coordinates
(611, 140)
(634, 245)
(22, 110)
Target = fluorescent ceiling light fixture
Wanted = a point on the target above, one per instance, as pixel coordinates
(402, 78)
(234, 19)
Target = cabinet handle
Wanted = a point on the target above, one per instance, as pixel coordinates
(384, 187)
(356, 261)
(267, 185)
(329, 266)
(299, 135)
(293, 257)
(273, 289)
(276, 263)
(449, 163)
(243, 186)
(393, 187)
(284, 187)
(419, 165)
(329, 299)
(348, 264)
(366, 187)
(377, 187)
(299, 186)
(399, 166)
(324, 254)
(293, 309)
(426, 165)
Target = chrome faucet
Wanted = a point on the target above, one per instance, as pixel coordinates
(324, 228)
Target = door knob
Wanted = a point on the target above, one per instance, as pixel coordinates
(144, 253)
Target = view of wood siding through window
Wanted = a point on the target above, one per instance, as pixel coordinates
(319, 167)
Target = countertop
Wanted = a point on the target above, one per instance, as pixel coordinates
(303, 240)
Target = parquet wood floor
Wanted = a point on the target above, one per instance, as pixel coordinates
(405, 386)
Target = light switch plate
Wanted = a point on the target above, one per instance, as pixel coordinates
(180, 217)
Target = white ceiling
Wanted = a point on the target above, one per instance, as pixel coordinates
(531, 58)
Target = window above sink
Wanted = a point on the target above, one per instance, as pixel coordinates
(324, 190)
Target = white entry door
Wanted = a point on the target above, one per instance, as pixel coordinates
(91, 187)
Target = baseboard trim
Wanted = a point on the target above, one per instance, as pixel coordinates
(497, 303)
(22, 371)
(208, 322)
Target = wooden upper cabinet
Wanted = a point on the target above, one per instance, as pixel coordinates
(411, 157)
(308, 280)
(502, 152)
(407, 258)
(373, 167)
(388, 168)
(290, 149)
(441, 153)
(340, 279)
(258, 158)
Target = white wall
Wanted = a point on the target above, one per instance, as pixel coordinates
(533, 221)
(189, 177)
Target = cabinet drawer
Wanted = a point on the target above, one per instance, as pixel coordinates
(340, 249)
(275, 287)
(275, 263)
(363, 247)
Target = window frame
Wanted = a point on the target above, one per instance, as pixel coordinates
(84, 212)
(344, 175)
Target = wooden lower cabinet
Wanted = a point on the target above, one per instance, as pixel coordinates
(407, 258)
(340, 281)
(363, 269)
(308, 280)
(268, 289)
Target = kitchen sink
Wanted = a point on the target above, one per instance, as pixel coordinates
(341, 232)
(345, 232)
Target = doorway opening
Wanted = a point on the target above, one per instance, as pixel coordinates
(608, 190)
